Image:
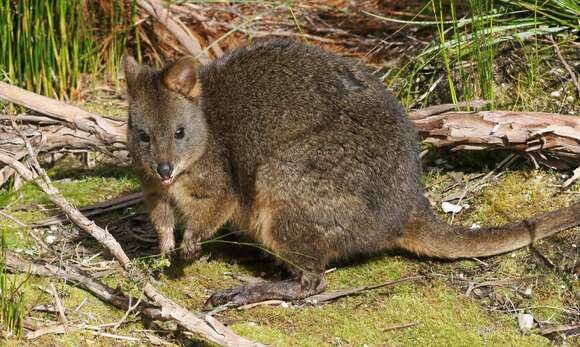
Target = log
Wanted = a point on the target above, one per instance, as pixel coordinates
(552, 139)
(55, 138)
(106, 129)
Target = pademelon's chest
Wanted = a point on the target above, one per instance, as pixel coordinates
(188, 189)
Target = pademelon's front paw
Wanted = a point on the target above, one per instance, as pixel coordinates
(190, 249)
(167, 244)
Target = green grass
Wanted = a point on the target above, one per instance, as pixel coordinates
(58, 47)
(464, 48)
(12, 298)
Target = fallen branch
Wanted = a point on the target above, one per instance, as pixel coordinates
(209, 327)
(106, 129)
(62, 128)
(499, 283)
(58, 136)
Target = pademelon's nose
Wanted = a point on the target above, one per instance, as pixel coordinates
(165, 170)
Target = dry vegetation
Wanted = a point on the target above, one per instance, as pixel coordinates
(469, 302)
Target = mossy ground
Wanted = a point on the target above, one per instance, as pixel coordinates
(437, 303)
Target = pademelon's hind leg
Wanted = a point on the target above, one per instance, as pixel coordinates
(297, 243)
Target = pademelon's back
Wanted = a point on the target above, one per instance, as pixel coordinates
(278, 90)
(326, 119)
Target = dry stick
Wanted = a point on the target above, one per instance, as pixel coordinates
(9, 217)
(176, 27)
(575, 176)
(208, 327)
(129, 310)
(58, 304)
(566, 65)
(437, 109)
(400, 326)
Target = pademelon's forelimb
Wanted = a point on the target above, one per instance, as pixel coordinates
(427, 235)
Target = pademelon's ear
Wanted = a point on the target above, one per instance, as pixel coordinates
(181, 77)
(132, 69)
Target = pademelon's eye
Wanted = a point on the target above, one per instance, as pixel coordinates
(179, 133)
(144, 137)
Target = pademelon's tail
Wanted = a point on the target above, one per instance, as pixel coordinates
(425, 234)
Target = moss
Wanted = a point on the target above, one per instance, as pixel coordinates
(516, 196)
(444, 317)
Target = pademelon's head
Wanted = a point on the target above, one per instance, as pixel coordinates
(167, 131)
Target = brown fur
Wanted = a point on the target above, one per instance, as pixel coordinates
(303, 150)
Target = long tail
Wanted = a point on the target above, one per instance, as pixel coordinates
(425, 234)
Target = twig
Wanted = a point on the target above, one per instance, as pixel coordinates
(400, 326)
(437, 109)
(566, 65)
(77, 309)
(63, 329)
(9, 217)
(79, 278)
(497, 283)
(575, 176)
(58, 305)
(118, 337)
(261, 303)
(129, 310)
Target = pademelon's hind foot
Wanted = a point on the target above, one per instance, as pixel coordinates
(289, 290)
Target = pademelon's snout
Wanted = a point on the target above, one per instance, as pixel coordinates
(165, 171)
